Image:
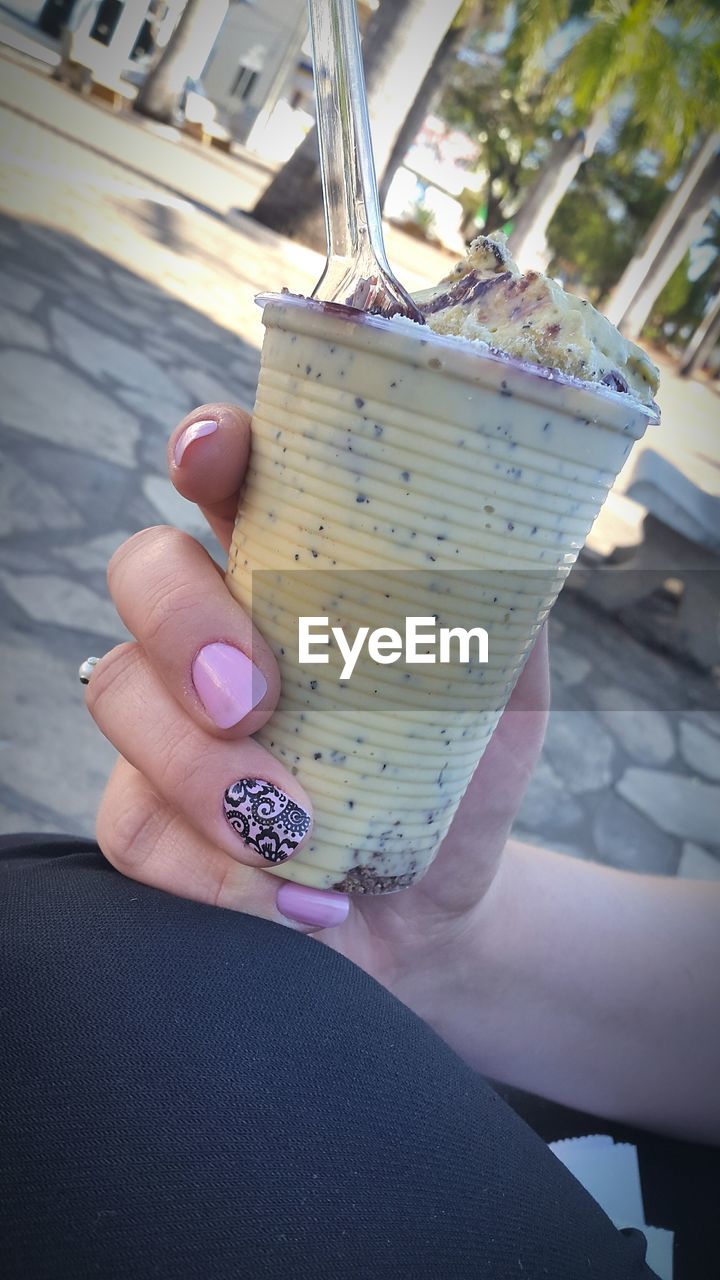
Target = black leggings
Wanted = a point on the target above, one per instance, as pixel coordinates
(191, 1092)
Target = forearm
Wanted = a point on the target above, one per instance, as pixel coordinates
(596, 988)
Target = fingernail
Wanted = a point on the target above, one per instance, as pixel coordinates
(227, 683)
(312, 906)
(195, 431)
(265, 818)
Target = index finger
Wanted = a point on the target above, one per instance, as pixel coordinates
(207, 459)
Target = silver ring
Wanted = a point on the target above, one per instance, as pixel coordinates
(86, 669)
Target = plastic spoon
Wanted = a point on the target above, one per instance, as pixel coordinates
(356, 273)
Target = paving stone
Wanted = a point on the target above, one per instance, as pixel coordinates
(574, 849)
(62, 602)
(42, 398)
(546, 805)
(159, 409)
(87, 266)
(17, 330)
(28, 504)
(707, 720)
(22, 559)
(17, 819)
(18, 293)
(680, 805)
(97, 353)
(700, 749)
(568, 667)
(124, 323)
(92, 556)
(57, 759)
(643, 732)
(246, 369)
(204, 386)
(139, 291)
(171, 507)
(625, 838)
(698, 864)
(580, 750)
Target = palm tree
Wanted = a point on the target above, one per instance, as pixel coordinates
(704, 339)
(684, 233)
(183, 58)
(655, 59)
(399, 46)
(670, 235)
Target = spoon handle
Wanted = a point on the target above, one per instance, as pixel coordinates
(352, 209)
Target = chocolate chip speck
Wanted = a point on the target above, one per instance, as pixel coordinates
(364, 879)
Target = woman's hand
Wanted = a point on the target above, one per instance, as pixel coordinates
(180, 705)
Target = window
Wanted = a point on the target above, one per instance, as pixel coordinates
(244, 82)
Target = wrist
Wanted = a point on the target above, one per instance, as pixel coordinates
(452, 978)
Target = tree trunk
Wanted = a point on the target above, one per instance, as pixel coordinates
(183, 58)
(702, 343)
(528, 240)
(434, 79)
(637, 271)
(398, 48)
(683, 233)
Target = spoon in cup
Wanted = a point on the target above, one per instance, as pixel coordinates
(357, 273)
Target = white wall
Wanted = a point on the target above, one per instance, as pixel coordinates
(256, 35)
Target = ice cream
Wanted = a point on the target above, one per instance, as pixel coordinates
(486, 298)
(399, 471)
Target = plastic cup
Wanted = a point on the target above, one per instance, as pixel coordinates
(395, 473)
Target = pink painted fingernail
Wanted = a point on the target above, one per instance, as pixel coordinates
(227, 683)
(312, 906)
(195, 431)
(267, 819)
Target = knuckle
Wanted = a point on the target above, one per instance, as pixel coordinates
(130, 826)
(159, 544)
(129, 549)
(169, 600)
(179, 773)
(112, 674)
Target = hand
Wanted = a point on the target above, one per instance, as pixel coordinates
(160, 819)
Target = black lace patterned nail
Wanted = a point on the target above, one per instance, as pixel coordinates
(265, 818)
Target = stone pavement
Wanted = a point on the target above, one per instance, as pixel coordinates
(121, 307)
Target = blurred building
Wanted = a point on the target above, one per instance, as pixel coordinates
(260, 73)
(259, 62)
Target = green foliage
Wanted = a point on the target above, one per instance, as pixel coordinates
(656, 65)
(484, 98)
(597, 227)
(664, 57)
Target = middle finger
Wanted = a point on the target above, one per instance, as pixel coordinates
(234, 793)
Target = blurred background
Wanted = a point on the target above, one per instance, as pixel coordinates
(159, 167)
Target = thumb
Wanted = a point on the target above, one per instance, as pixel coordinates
(207, 459)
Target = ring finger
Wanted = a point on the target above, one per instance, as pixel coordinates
(148, 841)
(234, 793)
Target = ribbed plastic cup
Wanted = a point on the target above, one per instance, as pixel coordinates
(397, 473)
